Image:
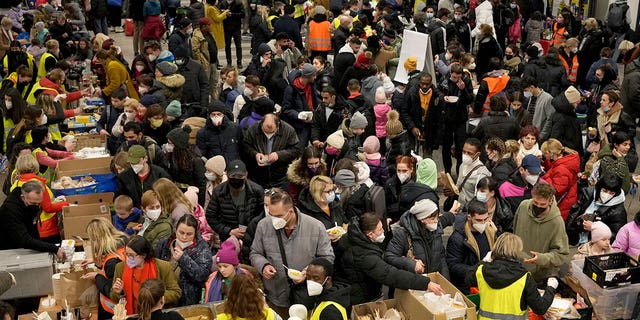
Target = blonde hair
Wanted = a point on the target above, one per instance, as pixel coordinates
(131, 104)
(316, 187)
(263, 11)
(27, 163)
(6, 21)
(123, 202)
(170, 195)
(553, 146)
(486, 29)
(572, 42)
(45, 101)
(104, 237)
(512, 147)
(507, 246)
(590, 24)
(52, 44)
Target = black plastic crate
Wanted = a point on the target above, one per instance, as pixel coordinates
(611, 270)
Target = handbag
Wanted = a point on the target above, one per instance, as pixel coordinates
(448, 203)
(297, 292)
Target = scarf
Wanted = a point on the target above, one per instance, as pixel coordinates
(425, 100)
(215, 291)
(489, 233)
(133, 279)
(308, 93)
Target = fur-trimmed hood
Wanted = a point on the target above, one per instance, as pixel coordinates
(172, 81)
(293, 176)
(346, 131)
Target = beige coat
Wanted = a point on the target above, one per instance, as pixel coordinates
(200, 49)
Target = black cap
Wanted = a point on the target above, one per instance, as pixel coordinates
(236, 167)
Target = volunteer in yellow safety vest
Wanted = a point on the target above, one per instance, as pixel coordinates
(13, 111)
(49, 59)
(16, 57)
(246, 299)
(330, 301)
(507, 289)
(20, 79)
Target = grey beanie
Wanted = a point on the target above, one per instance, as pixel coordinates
(345, 178)
(167, 68)
(358, 121)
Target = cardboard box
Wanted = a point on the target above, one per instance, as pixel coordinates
(90, 140)
(83, 166)
(413, 306)
(104, 197)
(380, 306)
(76, 218)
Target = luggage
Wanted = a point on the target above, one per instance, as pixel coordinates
(128, 27)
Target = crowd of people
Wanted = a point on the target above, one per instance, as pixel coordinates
(308, 176)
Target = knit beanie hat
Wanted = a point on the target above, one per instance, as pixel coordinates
(308, 70)
(381, 97)
(263, 106)
(147, 100)
(394, 126)
(192, 195)
(180, 137)
(424, 208)
(216, 164)
(358, 121)
(371, 146)
(345, 178)
(174, 109)
(167, 68)
(572, 94)
(411, 64)
(165, 55)
(227, 254)
(532, 51)
(600, 231)
(427, 173)
(336, 139)
(216, 106)
(363, 170)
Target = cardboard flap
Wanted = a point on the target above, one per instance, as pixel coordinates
(84, 166)
(86, 210)
(105, 197)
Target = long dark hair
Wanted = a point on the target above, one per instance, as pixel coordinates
(310, 152)
(150, 293)
(16, 113)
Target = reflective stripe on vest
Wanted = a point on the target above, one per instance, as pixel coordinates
(106, 303)
(318, 310)
(270, 21)
(319, 36)
(501, 303)
(572, 73)
(35, 90)
(558, 36)
(495, 84)
(8, 125)
(42, 71)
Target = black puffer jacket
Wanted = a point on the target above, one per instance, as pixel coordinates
(392, 190)
(400, 146)
(502, 169)
(363, 266)
(413, 191)
(497, 124)
(425, 245)
(502, 216)
(193, 176)
(613, 214)
(551, 76)
(310, 208)
(591, 42)
(351, 142)
(564, 124)
(195, 266)
(355, 205)
(359, 104)
(221, 140)
(223, 215)
(196, 85)
(324, 78)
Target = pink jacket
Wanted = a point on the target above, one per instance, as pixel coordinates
(380, 111)
(628, 239)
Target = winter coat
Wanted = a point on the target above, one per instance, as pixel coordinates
(172, 86)
(411, 192)
(497, 124)
(221, 140)
(222, 213)
(380, 111)
(343, 60)
(99, 8)
(217, 29)
(357, 103)
(129, 184)
(156, 155)
(456, 113)
(630, 89)
(502, 169)
(340, 36)
(363, 267)
(356, 204)
(154, 28)
(437, 32)
(308, 241)
(551, 76)
(196, 11)
(308, 206)
(179, 43)
(291, 27)
(628, 239)
(425, 245)
(321, 127)
(488, 48)
(158, 134)
(591, 42)
(260, 30)
(564, 124)
(165, 273)
(392, 191)
(192, 177)
(484, 15)
(157, 93)
(352, 142)
(618, 120)
(463, 252)
(196, 85)
(324, 78)
(608, 163)
(502, 273)
(412, 116)
(379, 173)
(285, 144)
(339, 293)
(514, 190)
(468, 189)
(194, 266)
(121, 224)
(294, 101)
(159, 229)
(562, 174)
(297, 182)
(612, 213)
(534, 29)
(400, 146)
(587, 250)
(460, 31)
(236, 15)
(352, 72)
(117, 76)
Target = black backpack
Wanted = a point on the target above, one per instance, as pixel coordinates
(375, 201)
(617, 16)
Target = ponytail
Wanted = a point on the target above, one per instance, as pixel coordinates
(151, 291)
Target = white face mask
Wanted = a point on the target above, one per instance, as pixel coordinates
(137, 167)
(248, 92)
(8, 104)
(466, 159)
(314, 288)
(605, 197)
(480, 227)
(183, 245)
(380, 238)
(167, 148)
(130, 115)
(266, 211)
(140, 68)
(432, 226)
(142, 90)
(217, 120)
(278, 223)
(153, 214)
(331, 196)
(472, 66)
(481, 196)
(532, 179)
(403, 177)
(152, 57)
(574, 50)
(527, 94)
(43, 119)
(210, 176)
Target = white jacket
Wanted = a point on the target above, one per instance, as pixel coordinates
(484, 15)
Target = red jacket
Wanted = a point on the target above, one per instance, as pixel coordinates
(562, 174)
(71, 96)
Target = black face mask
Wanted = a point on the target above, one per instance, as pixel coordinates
(509, 56)
(284, 48)
(35, 209)
(537, 211)
(236, 183)
(132, 143)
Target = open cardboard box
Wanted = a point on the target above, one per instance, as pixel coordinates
(90, 140)
(381, 307)
(103, 197)
(76, 218)
(83, 166)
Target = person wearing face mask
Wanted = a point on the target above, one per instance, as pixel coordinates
(500, 213)
(47, 158)
(569, 57)
(319, 201)
(610, 118)
(538, 106)
(421, 111)
(470, 241)
(331, 298)
(471, 171)
(180, 38)
(302, 170)
(458, 29)
(220, 136)
(183, 162)
(500, 162)
(273, 145)
(540, 216)
(405, 167)
(215, 175)
(130, 109)
(226, 259)
(140, 265)
(561, 30)
(157, 223)
(362, 264)
(149, 88)
(155, 124)
(287, 238)
(140, 177)
(512, 60)
(190, 256)
(196, 89)
(16, 57)
(235, 203)
(109, 119)
(255, 103)
(519, 184)
(564, 127)
(13, 110)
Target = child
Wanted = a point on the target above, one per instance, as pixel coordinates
(129, 114)
(379, 173)
(599, 244)
(127, 217)
(109, 119)
(198, 211)
(380, 110)
(157, 224)
(219, 282)
(151, 300)
(36, 50)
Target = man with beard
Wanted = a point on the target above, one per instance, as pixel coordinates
(17, 57)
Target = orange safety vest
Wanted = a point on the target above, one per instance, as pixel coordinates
(495, 85)
(106, 303)
(572, 72)
(558, 36)
(319, 36)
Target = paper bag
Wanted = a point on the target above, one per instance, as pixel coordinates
(74, 287)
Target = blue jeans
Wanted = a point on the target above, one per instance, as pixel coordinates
(100, 25)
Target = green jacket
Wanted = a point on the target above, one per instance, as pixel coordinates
(545, 235)
(172, 292)
(612, 164)
(158, 229)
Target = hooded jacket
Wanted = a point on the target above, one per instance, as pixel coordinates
(298, 182)
(562, 174)
(612, 213)
(362, 265)
(497, 124)
(553, 248)
(550, 75)
(159, 229)
(413, 191)
(307, 205)
(223, 140)
(294, 101)
(503, 168)
(129, 184)
(351, 141)
(172, 86)
(628, 238)
(196, 85)
(339, 293)
(564, 124)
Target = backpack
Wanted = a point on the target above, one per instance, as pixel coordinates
(375, 200)
(617, 16)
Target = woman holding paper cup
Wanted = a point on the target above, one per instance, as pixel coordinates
(319, 201)
(507, 289)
